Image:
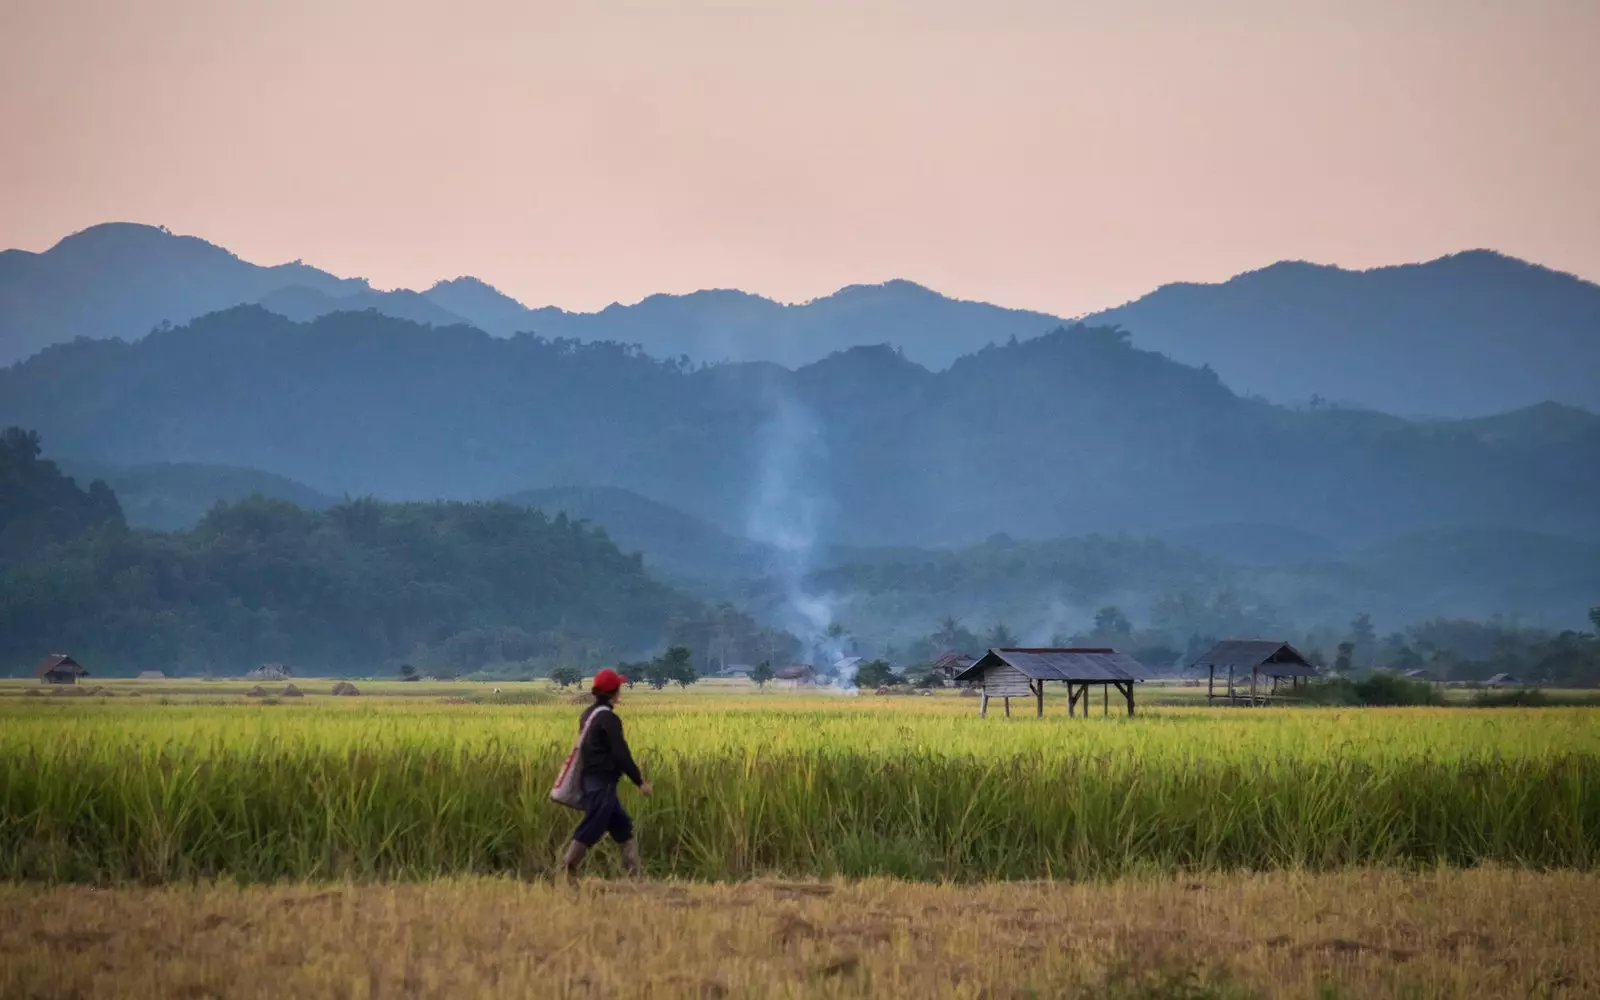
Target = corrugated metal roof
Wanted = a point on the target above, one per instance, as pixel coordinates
(1248, 655)
(1094, 665)
(59, 662)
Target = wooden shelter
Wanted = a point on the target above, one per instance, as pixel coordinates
(794, 675)
(59, 668)
(950, 665)
(1263, 660)
(1020, 673)
(1503, 680)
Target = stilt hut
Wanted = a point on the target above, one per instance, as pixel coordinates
(1267, 662)
(59, 668)
(1022, 673)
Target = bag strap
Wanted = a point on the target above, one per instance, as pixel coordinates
(583, 734)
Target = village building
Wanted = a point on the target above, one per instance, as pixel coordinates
(949, 666)
(736, 671)
(59, 668)
(1503, 680)
(1421, 674)
(1023, 673)
(151, 675)
(794, 675)
(270, 672)
(1266, 662)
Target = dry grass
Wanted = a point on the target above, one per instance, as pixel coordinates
(1475, 933)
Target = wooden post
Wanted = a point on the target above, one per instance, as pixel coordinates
(1129, 693)
(1008, 706)
(1039, 697)
(1230, 683)
(1253, 701)
(983, 706)
(1211, 682)
(1105, 699)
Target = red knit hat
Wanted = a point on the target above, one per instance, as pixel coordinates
(608, 681)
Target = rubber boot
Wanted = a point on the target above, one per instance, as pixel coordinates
(630, 858)
(572, 859)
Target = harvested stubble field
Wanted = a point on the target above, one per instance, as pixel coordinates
(1439, 934)
(124, 789)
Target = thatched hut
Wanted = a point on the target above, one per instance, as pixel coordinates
(59, 668)
(1266, 662)
(1023, 673)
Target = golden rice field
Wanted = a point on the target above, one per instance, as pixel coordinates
(198, 781)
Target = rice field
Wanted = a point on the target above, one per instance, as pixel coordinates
(199, 782)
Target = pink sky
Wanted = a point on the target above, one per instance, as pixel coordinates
(1057, 155)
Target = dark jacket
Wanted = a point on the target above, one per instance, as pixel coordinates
(605, 750)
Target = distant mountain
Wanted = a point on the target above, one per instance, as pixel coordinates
(298, 302)
(1066, 434)
(174, 496)
(482, 305)
(1464, 335)
(122, 279)
(726, 325)
(676, 546)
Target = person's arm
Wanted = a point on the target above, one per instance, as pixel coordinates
(621, 756)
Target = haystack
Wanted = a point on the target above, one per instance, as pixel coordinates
(293, 692)
(256, 692)
(346, 688)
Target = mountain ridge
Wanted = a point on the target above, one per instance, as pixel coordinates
(1085, 431)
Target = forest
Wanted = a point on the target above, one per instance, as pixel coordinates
(358, 588)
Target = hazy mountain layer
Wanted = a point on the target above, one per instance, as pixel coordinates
(1066, 434)
(174, 496)
(1463, 335)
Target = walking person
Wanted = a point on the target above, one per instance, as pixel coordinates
(606, 760)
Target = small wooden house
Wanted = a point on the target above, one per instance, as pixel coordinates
(794, 675)
(1503, 681)
(270, 672)
(59, 668)
(1023, 673)
(950, 665)
(151, 675)
(1266, 662)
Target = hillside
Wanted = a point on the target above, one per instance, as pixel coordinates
(675, 545)
(1465, 335)
(174, 496)
(352, 589)
(122, 279)
(1071, 433)
(727, 325)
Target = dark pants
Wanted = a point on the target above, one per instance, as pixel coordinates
(602, 814)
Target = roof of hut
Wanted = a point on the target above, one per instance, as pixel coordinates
(1095, 665)
(1503, 679)
(59, 663)
(793, 672)
(1269, 657)
(953, 661)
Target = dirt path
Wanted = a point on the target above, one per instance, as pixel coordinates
(1364, 934)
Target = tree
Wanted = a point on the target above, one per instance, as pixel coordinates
(676, 665)
(1341, 663)
(762, 673)
(408, 672)
(1000, 636)
(565, 677)
(1362, 634)
(1110, 620)
(876, 673)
